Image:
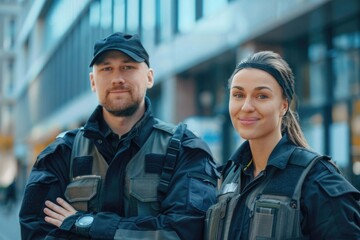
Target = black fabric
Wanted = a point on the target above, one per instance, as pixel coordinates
(154, 163)
(126, 43)
(287, 88)
(283, 182)
(321, 212)
(179, 211)
(82, 166)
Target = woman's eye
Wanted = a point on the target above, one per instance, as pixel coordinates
(238, 95)
(262, 96)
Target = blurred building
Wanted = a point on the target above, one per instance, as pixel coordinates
(194, 46)
(9, 10)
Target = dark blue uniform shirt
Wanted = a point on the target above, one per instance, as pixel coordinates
(182, 209)
(329, 203)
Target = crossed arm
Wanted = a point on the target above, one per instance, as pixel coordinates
(181, 214)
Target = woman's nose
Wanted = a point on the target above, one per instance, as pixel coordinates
(248, 105)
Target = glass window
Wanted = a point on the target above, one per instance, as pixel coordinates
(10, 86)
(95, 14)
(187, 15)
(164, 20)
(313, 129)
(314, 92)
(339, 135)
(317, 89)
(211, 6)
(58, 19)
(133, 16)
(346, 62)
(119, 16)
(148, 22)
(343, 72)
(355, 137)
(10, 34)
(106, 14)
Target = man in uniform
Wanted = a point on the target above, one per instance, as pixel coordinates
(125, 174)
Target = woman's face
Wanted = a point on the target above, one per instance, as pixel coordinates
(256, 105)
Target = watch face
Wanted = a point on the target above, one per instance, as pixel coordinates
(86, 220)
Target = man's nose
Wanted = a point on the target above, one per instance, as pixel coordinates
(118, 79)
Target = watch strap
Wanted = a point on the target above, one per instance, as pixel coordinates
(69, 222)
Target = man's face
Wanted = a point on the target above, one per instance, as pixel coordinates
(120, 83)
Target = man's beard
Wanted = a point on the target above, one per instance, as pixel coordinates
(125, 112)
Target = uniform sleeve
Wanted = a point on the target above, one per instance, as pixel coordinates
(331, 205)
(46, 182)
(192, 191)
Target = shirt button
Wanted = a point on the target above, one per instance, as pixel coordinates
(99, 141)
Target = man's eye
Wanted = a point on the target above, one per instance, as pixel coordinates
(127, 67)
(106, 69)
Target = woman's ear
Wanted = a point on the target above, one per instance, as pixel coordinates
(285, 107)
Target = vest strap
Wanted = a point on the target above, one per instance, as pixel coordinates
(172, 153)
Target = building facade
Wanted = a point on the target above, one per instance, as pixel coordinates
(9, 11)
(194, 46)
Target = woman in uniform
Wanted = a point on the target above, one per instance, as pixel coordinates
(274, 187)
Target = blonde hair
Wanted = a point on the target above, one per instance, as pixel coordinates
(285, 77)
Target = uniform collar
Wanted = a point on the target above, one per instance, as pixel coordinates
(278, 158)
(97, 125)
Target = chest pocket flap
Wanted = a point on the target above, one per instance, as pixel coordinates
(335, 185)
(144, 189)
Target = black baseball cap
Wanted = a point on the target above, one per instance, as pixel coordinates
(126, 43)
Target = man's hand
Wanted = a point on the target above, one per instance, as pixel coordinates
(56, 213)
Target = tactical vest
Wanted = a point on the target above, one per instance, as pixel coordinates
(143, 191)
(274, 204)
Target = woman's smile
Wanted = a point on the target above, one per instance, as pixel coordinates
(248, 120)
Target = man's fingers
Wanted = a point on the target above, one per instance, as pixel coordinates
(53, 221)
(66, 205)
(54, 207)
(52, 217)
(53, 214)
(58, 209)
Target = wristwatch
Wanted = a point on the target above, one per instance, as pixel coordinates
(83, 224)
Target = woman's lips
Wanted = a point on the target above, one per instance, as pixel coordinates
(248, 121)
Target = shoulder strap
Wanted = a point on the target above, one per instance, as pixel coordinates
(302, 157)
(307, 159)
(75, 150)
(171, 156)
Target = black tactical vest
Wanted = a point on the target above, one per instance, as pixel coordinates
(142, 189)
(274, 204)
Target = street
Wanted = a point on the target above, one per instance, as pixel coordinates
(9, 222)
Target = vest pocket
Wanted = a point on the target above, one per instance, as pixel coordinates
(273, 218)
(81, 190)
(144, 197)
(216, 218)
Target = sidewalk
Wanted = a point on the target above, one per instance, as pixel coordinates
(9, 222)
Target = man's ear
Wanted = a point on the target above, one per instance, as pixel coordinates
(92, 82)
(150, 78)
